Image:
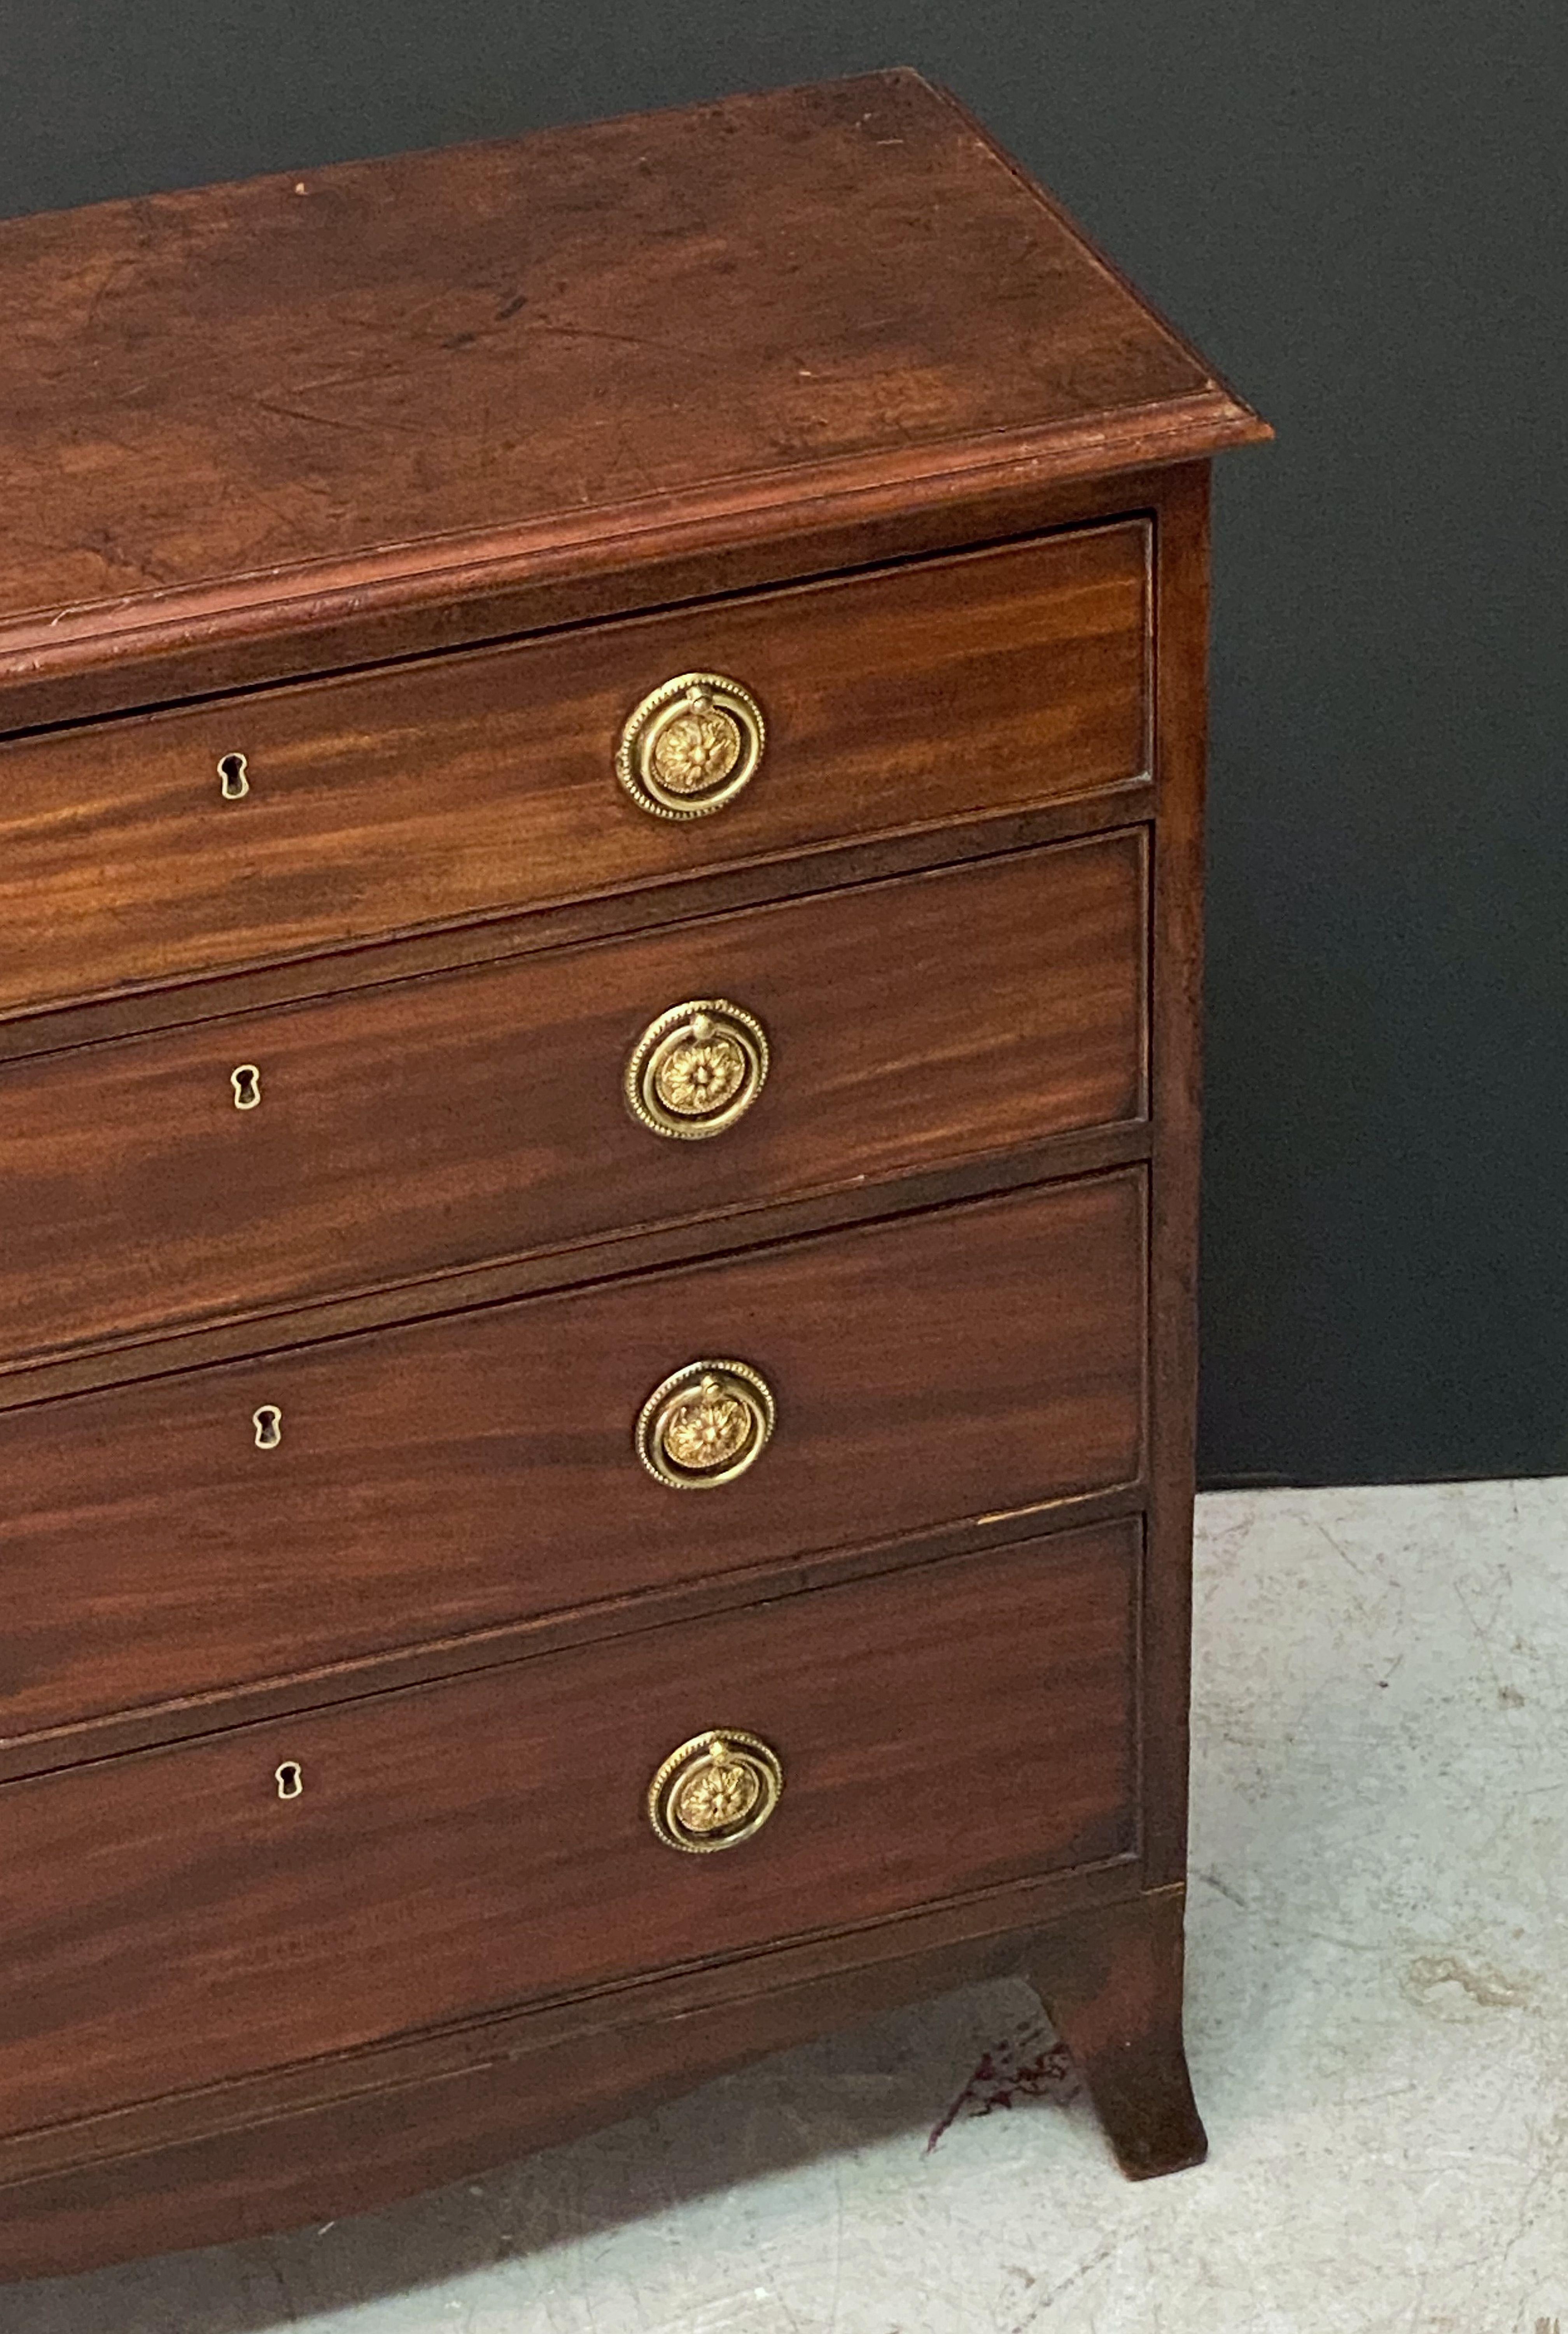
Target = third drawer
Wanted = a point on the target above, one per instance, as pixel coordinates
(257, 1518)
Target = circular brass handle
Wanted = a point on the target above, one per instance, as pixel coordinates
(714, 1791)
(704, 1425)
(697, 1069)
(690, 746)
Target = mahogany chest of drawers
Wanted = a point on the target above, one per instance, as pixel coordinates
(600, 810)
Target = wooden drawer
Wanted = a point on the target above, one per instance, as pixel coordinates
(424, 794)
(461, 1119)
(171, 1922)
(455, 1474)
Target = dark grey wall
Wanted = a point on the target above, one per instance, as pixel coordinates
(1357, 208)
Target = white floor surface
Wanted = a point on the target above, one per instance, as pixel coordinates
(1378, 2019)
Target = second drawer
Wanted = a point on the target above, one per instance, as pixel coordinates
(278, 1157)
(264, 1517)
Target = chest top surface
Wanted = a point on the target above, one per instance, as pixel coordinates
(385, 371)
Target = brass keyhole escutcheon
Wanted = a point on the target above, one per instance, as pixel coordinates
(717, 1789)
(691, 746)
(697, 1069)
(268, 1422)
(290, 1778)
(704, 1425)
(246, 1084)
(233, 780)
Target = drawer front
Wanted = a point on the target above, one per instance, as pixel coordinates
(436, 1124)
(455, 1474)
(170, 1921)
(469, 784)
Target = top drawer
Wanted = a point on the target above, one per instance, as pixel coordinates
(420, 795)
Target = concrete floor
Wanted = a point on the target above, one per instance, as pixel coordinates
(1379, 2028)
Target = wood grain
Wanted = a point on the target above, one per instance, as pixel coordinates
(503, 353)
(1111, 1982)
(383, 2069)
(1178, 1008)
(216, 1709)
(199, 2173)
(983, 834)
(919, 467)
(737, 1231)
(462, 1472)
(463, 786)
(443, 1124)
(181, 1925)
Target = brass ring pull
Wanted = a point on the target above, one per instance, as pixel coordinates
(704, 1425)
(714, 1791)
(690, 746)
(697, 1069)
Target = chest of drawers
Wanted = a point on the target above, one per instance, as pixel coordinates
(601, 769)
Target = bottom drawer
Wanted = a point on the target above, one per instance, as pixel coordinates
(170, 1920)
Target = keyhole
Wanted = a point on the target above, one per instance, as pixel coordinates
(232, 779)
(268, 1422)
(290, 1778)
(246, 1084)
